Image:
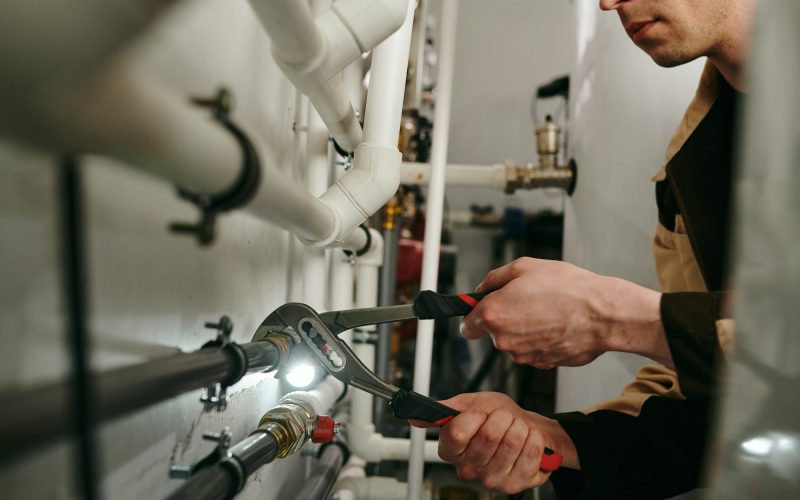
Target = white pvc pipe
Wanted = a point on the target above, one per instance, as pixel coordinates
(156, 130)
(301, 50)
(47, 44)
(322, 397)
(313, 52)
(362, 438)
(367, 271)
(375, 175)
(369, 488)
(492, 176)
(433, 229)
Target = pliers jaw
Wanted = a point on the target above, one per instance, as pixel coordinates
(308, 330)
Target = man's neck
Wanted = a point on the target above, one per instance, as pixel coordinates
(732, 70)
(730, 55)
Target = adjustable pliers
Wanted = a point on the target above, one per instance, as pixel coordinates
(318, 333)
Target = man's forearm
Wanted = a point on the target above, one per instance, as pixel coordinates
(632, 314)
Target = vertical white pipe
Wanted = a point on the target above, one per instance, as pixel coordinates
(315, 275)
(433, 229)
(387, 85)
(367, 275)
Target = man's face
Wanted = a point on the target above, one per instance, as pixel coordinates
(674, 32)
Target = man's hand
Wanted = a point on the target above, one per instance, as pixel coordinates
(496, 441)
(548, 313)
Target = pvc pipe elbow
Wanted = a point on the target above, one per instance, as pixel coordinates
(371, 21)
(362, 191)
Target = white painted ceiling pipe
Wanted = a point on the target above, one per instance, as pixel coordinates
(375, 175)
(492, 176)
(433, 230)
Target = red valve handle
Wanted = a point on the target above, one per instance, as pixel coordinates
(324, 430)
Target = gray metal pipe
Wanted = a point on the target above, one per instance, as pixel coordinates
(323, 477)
(227, 477)
(34, 418)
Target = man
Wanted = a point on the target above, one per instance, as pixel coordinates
(650, 442)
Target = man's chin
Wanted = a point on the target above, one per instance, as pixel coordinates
(667, 58)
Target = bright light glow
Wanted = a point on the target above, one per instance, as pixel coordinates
(301, 375)
(759, 446)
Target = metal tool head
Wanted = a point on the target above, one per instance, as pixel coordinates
(312, 334)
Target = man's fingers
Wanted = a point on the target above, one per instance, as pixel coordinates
(526, 467)
(497, 472)
(472, 327)
(457, 434)
(484, 445)
(499, 277)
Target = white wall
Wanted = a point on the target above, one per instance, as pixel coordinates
(625, 109)
(152, 291)
(504, 50)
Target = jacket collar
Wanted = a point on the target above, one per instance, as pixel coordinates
(706, 94)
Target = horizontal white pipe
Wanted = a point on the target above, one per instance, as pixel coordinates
(119, 113)
(290, 206)
(47, 43)
(374, 447)
(433, 228)
(493, 176)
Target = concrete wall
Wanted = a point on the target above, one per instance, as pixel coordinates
(151, 291)
(624, 110)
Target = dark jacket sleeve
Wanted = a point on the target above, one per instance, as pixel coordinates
(659, 453)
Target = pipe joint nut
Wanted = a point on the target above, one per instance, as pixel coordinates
(291, 422)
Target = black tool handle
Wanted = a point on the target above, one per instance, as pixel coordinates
(412, 405)
(432, 305)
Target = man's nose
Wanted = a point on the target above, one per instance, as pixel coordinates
(610, 4)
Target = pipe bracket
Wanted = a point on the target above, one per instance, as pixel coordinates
(223, 440)
(215, 395)
(239, 193)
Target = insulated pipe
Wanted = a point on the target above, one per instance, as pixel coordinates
(375, 175)
(37, 417)
(493, 176)
(433, 230)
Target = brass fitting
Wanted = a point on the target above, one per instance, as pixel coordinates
(548, 173)
(291, 423)
(390, 213)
